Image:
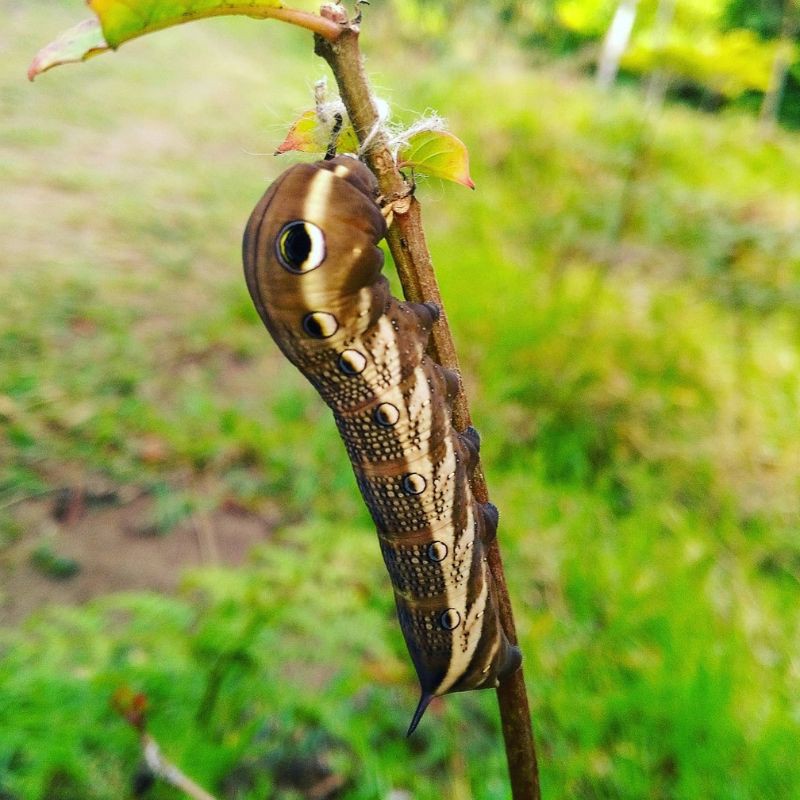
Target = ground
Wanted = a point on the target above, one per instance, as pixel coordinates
(103, 532)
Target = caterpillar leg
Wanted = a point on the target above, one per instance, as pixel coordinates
(428, 313)
(512, 661)
(471, 440)
(453, 382)
(490, 517)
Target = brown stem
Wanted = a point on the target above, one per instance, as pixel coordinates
(406, 240)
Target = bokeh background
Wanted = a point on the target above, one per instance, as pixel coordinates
(178, 517)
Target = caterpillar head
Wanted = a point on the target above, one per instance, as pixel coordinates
(310, 246)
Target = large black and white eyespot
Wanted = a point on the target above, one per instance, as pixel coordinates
(300, 246)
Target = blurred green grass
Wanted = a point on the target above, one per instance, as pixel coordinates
(625, 298)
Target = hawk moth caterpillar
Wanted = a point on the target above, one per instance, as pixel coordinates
(313, 270)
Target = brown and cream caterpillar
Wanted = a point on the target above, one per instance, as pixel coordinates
(313, 269)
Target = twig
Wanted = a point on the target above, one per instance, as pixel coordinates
(206, 539)
(24, 498)
(132, 707)
(406, 240)
(168, 772)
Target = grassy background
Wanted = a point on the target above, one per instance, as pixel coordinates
(625, 297)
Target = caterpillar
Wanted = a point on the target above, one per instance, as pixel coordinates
(313, 270)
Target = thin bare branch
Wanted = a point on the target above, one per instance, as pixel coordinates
(206, 539)
(167, 771)
(406, 240)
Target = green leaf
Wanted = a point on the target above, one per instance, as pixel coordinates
(123, 20)
(126, 19)
(82, 41)
(438, 154)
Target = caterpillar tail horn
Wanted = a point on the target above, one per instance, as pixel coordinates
(421, 706)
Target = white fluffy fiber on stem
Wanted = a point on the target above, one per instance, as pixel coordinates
(329, 112)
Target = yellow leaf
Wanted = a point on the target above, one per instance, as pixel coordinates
(310, 135)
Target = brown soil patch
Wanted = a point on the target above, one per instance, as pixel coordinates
(110, 542)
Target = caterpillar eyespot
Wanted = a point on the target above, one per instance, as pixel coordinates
(351, 362)
(450, 619)
(386, 415)
(313, 269)
(413, 483)
(437, 551)
(300, 246)
(320, 325)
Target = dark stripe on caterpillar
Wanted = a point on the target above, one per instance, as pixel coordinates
(313, 269)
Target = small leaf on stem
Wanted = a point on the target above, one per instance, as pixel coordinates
(437, 153)
(309, 134)
(302, 135)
